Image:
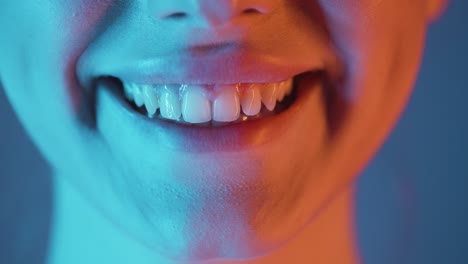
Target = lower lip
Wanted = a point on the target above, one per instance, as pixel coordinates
(229, 138)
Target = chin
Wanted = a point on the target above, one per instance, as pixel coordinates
(203, 208)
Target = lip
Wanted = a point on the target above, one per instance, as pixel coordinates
(224, 69)
(237, 62)
(233, 64)
(228, 138)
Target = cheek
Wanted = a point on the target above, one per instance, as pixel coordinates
(45, 41)
(79, 22)
(39, 44)
(373, 37)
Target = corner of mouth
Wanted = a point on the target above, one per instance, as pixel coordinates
(303, 86)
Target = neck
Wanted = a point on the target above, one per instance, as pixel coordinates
(80, 234)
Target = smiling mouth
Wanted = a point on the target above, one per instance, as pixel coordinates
(120, 108)
(211, 105)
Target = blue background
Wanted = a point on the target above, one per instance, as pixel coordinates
(412, 199)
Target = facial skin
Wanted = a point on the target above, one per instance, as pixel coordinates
(182, 197)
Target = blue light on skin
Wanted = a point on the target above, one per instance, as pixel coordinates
(128, 191)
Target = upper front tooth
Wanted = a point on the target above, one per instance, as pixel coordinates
(150, 98)
(196, 108)
(192, 102)
(251, 100)
(269, 94)
(226, 106)
(170, 103)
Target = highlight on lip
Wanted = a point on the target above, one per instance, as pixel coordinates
(199, 104)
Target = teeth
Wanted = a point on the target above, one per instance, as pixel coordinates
(199, 104)
(128, 89)
(226, 106)
(196, 108)
(150, 98)
(170, 104)
(137, 95)
(251, 101)
(281, 93)
(288, 86)
(269, 95)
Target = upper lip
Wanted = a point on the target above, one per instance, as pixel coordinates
(218, 64)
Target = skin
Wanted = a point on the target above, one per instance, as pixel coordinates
(178, 204)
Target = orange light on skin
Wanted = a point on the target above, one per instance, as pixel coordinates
(276, 190)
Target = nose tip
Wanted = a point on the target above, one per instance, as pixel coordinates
(214, 12)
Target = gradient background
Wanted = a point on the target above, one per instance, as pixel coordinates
(412, 199)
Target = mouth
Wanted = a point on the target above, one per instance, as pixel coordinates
(210, 105)
(208, 118)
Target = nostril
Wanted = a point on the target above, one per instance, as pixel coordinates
(257, 7)
(213, 11)
(251, 11)
(175, 15)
